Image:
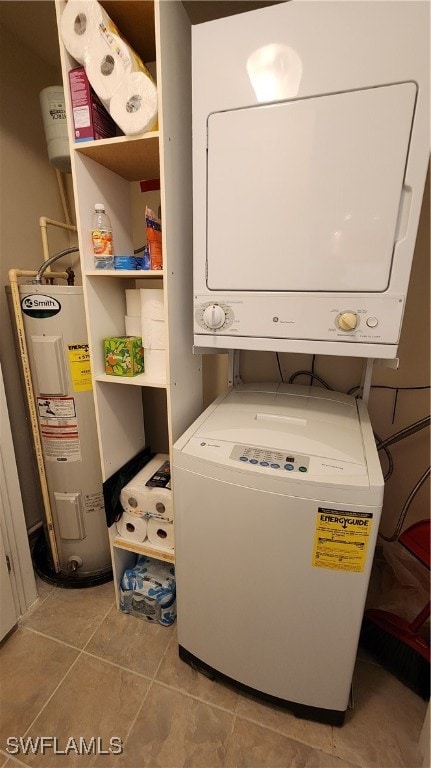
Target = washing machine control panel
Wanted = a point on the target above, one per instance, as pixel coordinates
(265, 458)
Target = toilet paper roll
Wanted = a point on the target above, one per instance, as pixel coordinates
(79, 27)
(133, 528)
(133, 326)
(133, 303)
(153, 334)
(134, 106)
(152, 304)
(161, 534)
(155, 362)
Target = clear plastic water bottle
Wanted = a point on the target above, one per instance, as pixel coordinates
(101, 233)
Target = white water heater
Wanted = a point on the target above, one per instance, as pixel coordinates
(310, 153)
(56, 336)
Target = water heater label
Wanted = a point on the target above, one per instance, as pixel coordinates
(40, 306)
(59, 429)
(341, 539)
(80, 368)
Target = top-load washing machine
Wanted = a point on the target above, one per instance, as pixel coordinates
(278, 494)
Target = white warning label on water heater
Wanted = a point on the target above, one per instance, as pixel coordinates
(59, 429)
(341, 539)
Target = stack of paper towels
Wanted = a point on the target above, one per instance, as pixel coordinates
(147, 511)
(115, 71)
(145, 317)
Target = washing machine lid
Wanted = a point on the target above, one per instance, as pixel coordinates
(301, 421)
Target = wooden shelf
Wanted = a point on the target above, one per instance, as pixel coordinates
(142, 380)
(144, 548)
(135, 158)
(138, 274)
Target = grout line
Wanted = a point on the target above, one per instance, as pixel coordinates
(105, 616)
(132, 724)
(317, 747)
(231, 732)
(192, 696)
(53, 693)
(114, 664)
(12, 758)
(50, 637)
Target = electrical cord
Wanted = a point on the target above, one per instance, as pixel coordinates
(279, 367)
(313, 376)
(382, 445)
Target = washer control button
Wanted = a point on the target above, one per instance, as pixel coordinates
(243, 458)
(372, 322)
(303, 469)
(289, 467)
(254, 461)
(275, 466)
(264, 463)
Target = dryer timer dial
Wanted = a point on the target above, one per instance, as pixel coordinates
(214, 316)
(347, 321)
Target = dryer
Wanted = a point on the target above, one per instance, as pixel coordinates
(310, 154)
(278, 493)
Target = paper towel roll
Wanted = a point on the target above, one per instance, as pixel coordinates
(153, 334)
(79, 27)
(133, 326)
(155, 362)
(133, 302)
(152, 304)
(138, 501)
(133, 528)
(107, 67)
(161, 534)
(134, 106)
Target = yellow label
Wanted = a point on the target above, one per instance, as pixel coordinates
(80, 368)
(341, 539)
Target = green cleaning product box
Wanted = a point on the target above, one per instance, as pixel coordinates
(124, 355)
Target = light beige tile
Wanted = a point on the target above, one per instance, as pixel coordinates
(131, 642)
(31, 667)
(43, 588)
(252, 746)
(11, 762)
(72, 615)
(280, 719)
(175, 672)
(94, 700)
(383, 727)
(175, 730)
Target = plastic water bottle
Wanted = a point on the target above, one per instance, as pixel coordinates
(101, 233)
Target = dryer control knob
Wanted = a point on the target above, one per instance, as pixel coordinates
(347, 321)
(214, 316)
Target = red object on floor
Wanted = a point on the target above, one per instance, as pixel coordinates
(417, 540)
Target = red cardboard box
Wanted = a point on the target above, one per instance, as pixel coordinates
(90, 118)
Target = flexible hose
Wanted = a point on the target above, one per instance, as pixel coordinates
(406, 507)
(51, 260)
(406, 432)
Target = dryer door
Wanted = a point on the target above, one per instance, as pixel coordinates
(304, 195)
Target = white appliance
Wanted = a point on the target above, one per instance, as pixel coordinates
(310, 152)
(278, 495)
(56, 337)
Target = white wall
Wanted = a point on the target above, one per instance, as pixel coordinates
(28, 190)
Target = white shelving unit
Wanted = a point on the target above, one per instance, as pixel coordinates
(134, 412)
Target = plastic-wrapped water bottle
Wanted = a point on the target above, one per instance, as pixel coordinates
(101, 233)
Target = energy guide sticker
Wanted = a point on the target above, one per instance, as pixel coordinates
(341, 539)
(80, 368)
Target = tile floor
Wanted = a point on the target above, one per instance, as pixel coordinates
(76, 667)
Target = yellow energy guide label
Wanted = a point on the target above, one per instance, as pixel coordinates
(80, 368)
(341, 539)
